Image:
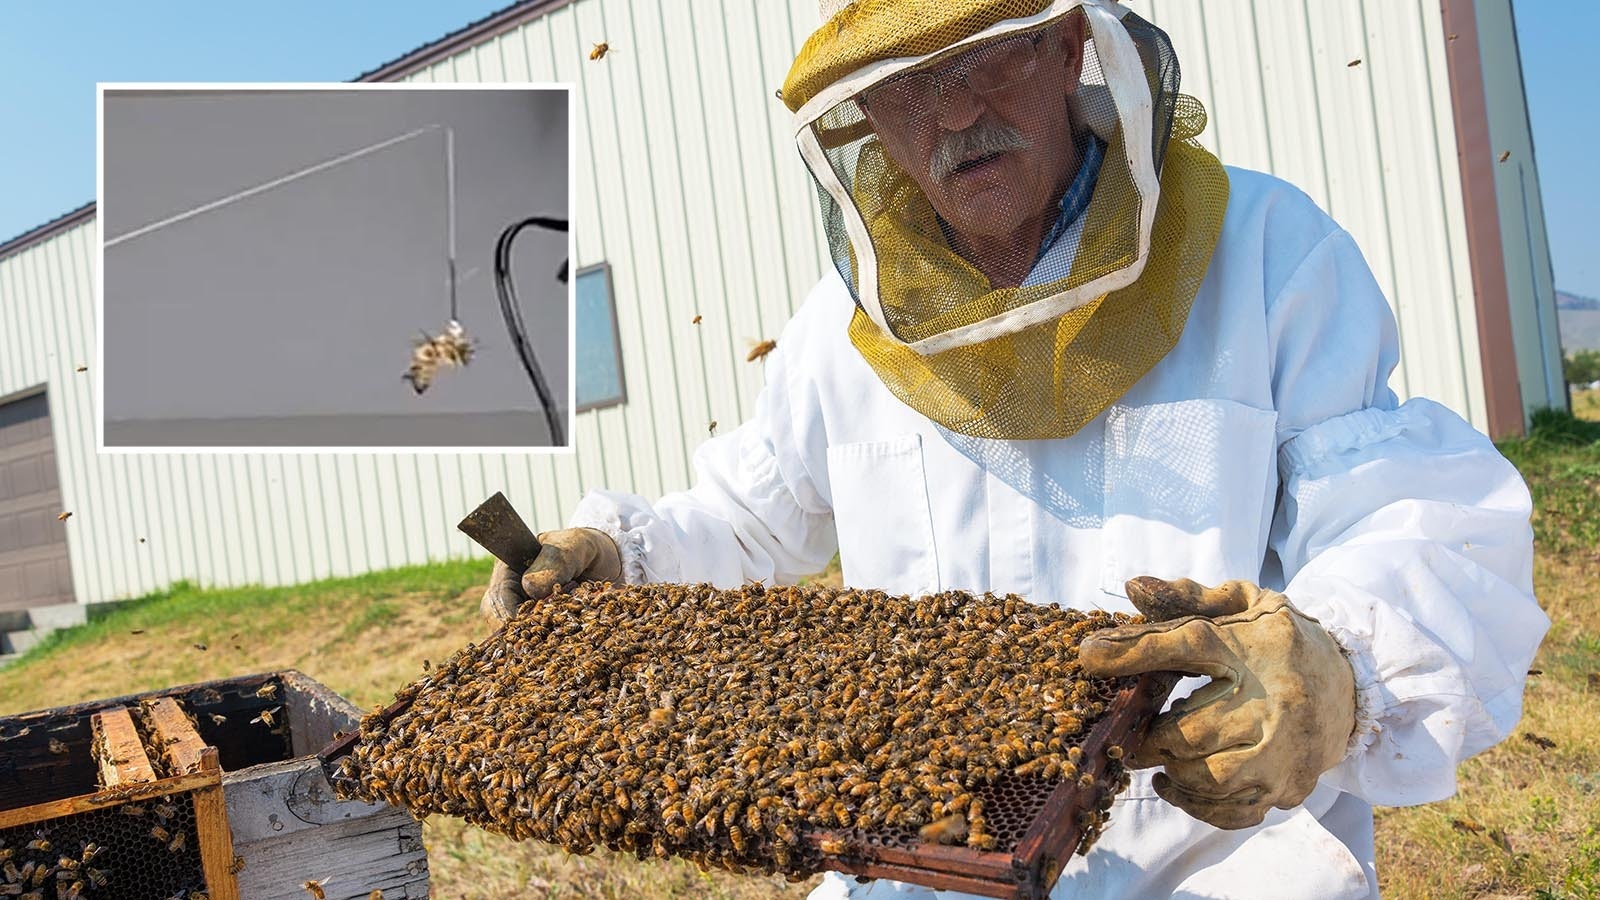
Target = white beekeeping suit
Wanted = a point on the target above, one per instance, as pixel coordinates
(1195, 388)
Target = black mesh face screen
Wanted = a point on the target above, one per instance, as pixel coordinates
(149, 850)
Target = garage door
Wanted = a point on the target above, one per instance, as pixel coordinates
(33, 544)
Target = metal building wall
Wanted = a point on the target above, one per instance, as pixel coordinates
(1530, 277)
(689, 186)
(141, 522)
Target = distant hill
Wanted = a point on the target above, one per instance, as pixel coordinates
(1580, 329)
(1565, 300)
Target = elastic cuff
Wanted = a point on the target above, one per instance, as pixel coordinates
(1369, 697)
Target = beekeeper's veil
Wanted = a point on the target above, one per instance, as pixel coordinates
(1010, 189)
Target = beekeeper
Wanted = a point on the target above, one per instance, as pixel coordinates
(1064, 347)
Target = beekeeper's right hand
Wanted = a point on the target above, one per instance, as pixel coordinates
(569, 555)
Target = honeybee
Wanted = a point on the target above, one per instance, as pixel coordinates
(1353, 63)
(236, 866)
(696, 320)
(160, 834)
(451, 347)
(266, 717)
(179, 841)
(57, 747)
(314, 888)
(83, 368)
(713, 428)
(219, 719)
(1505, 156)
(266, 691)
(40, 844)
(166, 811)
(834, 846)
(600, 50)
(62, 517)
(375, 895)
(759, 349)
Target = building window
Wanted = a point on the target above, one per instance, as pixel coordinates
(599, 360)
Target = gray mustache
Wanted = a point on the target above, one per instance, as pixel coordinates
(981, 139)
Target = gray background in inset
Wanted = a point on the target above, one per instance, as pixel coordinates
(291, 314)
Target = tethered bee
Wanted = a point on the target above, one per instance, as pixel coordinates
(450, 347)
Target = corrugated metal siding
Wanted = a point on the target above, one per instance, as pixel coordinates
(1372, 143)
(688, 184)
(1530, 277)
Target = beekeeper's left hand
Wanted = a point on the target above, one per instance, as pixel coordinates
(1277, 714)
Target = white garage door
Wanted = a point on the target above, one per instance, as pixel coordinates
(33, 543)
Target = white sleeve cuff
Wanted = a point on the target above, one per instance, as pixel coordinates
(1369, 695)
(621, 517)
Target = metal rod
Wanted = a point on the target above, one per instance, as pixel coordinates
(295, 176)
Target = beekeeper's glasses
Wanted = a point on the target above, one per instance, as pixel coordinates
(987, 71)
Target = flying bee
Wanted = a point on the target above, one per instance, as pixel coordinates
(600, 50)
(266, 717)
(948, 830)
(219, 719)
(314, 888)
(267, 691)
(57, 747)
(63, 516)
(713, 428)
(759, 349)
(1505, 156)
(696, 320)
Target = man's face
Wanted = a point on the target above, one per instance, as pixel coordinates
(986, 135)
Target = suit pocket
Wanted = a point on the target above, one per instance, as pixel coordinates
(881, 511)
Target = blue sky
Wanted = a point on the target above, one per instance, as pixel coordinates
(1557, 41)
(52, 53)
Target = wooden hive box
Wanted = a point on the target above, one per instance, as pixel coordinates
(237, 757)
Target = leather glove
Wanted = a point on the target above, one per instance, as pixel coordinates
(1278, 712)
(566, 556)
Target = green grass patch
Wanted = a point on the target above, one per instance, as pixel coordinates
(185, 602)
(1560, 458)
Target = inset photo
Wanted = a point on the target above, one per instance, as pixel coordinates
(352, 267)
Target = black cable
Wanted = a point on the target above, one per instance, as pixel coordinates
(513, 316)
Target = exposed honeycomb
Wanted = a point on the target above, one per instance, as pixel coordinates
(149, 850)
(726, 726)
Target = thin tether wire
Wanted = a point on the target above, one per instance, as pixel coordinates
(513, 316)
